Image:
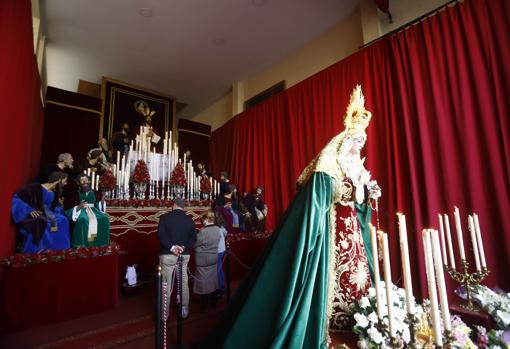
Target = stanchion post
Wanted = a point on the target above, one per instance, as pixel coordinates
(158, 309)
(227, 270)
(179, 307)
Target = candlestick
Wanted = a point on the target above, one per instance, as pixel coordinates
(378, 294)
(431, 280)
(443, 245)
(449, 239)
(471, 227)
(406, 268)
(445, 310)
(460, 239)
(387, 280)
(479, 239)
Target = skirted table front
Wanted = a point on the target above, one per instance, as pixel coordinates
(134, 229)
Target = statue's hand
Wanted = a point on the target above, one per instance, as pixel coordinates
(374, 191)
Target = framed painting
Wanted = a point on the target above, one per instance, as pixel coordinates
(121, 103)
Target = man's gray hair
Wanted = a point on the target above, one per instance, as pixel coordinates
(180, 202)
(63, 157)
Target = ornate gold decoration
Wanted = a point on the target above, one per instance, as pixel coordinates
(357, 117)
(329, 160)
(468, 280)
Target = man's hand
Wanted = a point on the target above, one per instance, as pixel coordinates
(177, 250)
(82, 204)
(61, 200)
(35, 213)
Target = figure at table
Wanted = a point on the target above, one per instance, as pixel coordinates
(40, 219)
(91, 224)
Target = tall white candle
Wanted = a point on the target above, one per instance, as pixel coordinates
(431, 281)
(118, 158)
(387, 280)
(406, 267)
(377, 280)
(460, 239)
(443, 245)
(471, 227)
(445, 310)
(93, 184)
(449, 239)
(479, 239)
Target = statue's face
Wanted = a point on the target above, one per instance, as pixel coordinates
(358, 143)
(69, 162)
(84, 180)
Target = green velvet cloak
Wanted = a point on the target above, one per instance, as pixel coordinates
(282, 301)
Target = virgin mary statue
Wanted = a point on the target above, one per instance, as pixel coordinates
(315, 266)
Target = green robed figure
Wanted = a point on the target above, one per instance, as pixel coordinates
(315, 267)
(92, 225)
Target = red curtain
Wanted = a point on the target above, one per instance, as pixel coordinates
(439, 134)
(21, 108)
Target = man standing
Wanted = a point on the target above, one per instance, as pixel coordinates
(177, 234)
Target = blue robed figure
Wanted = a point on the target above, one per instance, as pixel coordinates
(40, 218)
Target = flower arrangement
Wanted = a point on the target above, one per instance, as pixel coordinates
(107, 181)
(205, 184)
(28, 259)
(367, 328)
(141, 173)
(492, 339)
(495, 304)
(178, 176)
(460, 334)
(371, 335)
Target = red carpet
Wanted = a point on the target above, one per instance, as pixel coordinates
(130, 325)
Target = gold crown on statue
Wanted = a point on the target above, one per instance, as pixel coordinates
(357, 117)
(143, 108)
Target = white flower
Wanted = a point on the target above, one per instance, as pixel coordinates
(371, 292)
(375, 335)
(503, 316)
(362, 344)
(364, 302)
(361, 320)
(372, 317)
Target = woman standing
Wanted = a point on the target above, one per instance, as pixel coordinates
(206, 258)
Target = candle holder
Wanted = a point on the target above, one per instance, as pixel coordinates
(413, 322)
(468, 280)
(448, 339)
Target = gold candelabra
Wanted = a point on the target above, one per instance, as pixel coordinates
(468, 280)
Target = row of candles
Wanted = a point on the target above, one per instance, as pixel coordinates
(434, 263)
(94, 179)
(160, 168)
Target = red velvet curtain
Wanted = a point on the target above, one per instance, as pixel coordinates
(439, 134)
(21, 108)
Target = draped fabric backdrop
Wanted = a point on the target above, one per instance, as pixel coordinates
(439, 134)
(21, 108)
